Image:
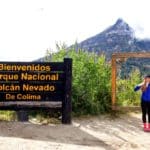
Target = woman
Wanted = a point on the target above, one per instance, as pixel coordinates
(145, 101)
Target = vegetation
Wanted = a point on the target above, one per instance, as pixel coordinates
(91, 81)
(91, 86)
(8, 115)
(125, 89)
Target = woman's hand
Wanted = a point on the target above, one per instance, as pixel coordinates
(141, 84)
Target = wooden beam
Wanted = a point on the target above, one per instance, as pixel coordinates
(115, 56)
(132, 55)
(113, 84)
(67, 103)
(128, 108)
(29, 105)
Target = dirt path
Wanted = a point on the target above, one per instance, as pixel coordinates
(96, 133)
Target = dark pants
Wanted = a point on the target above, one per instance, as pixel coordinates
(145, 110)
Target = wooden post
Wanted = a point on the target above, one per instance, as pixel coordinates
(66, 103)
(22, 115)
(113, 84)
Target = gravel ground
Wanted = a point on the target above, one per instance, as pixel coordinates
(90, 133)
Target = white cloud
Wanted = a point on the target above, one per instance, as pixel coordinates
(28, 28)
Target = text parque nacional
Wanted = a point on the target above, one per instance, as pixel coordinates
(28, 77)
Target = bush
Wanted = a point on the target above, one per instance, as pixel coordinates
(91, 81)
(125, 89)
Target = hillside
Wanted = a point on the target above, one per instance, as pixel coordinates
(119, 37)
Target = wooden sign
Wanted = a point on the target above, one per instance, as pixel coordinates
(24, 82)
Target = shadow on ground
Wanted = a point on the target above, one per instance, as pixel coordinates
(101, 131)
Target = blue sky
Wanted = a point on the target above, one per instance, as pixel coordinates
(29, 27)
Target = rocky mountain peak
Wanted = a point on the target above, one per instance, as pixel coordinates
(120, 28)
(116, 38)
(121, 24)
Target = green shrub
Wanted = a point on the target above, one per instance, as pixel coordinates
(8, 115)
(125, 90)
(91, 81)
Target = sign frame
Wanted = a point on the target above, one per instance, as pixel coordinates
(64, 103)
(122, 56)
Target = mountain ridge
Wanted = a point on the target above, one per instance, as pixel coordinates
(119, 37)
